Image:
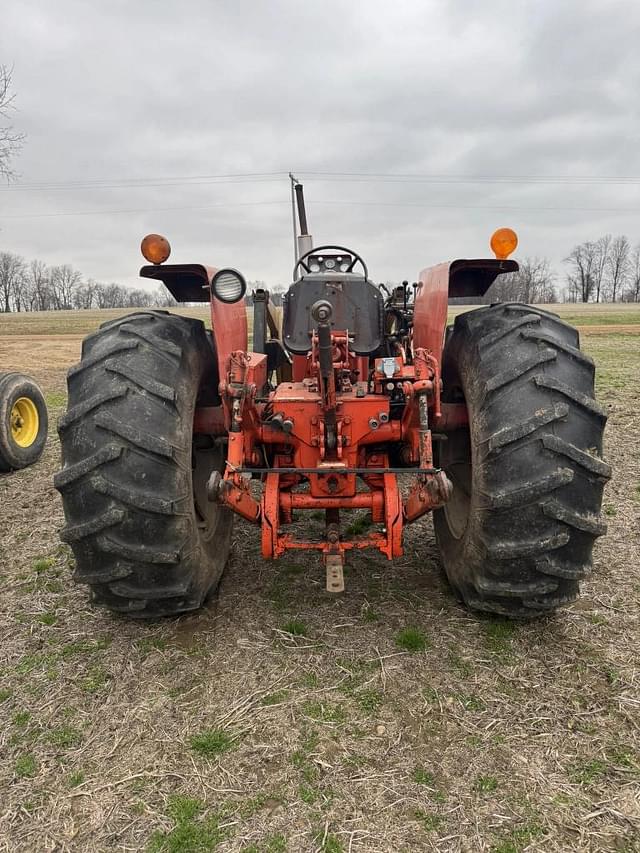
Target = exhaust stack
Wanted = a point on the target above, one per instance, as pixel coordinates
(304, 242)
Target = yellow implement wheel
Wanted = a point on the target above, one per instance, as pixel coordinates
(24, 422)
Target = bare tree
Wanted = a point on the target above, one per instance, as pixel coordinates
(84, 295)
(581, 276)
(12, 274)
(537, 280)
(64, 281)
(162, 298)
(600, 263)
(617, 266)
(137, 298)
(10, 139)
(533, 282)
(110, 296)
(38, 287)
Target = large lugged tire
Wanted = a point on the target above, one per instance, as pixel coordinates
(133, 484)
(528, 474)
(23, 421)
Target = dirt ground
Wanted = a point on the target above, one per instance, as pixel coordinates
(278, 718)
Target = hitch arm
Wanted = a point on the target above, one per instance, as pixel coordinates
(429, 491)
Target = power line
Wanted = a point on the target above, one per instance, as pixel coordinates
(133, 183)
(320, 177)
(138, 210)
(353, 202)
(384, 177)
(577, 209)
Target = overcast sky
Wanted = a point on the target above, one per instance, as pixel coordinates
(131, 93)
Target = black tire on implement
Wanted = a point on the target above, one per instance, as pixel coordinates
(133, 481)
(528, 474)
(24, 421)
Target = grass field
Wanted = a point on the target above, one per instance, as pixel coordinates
(83, 322)
(279, 719)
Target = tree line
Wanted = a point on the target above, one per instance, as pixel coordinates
(34, 286)
(604, 270)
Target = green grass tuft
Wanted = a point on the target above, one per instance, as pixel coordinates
(43, 564)
(295, 627)
(96, 679)
(369, 700)
(518, 839)
(76, 778)
(274, 698)
(588, 772)
(21, 718)
(412, 640)
(329, 843)
(193, 832)
(498, 636)
(310, 680)
(211, 742)
(325, 712)
(150, 644)
(307, 794)
(85, 647)
(430, 822)
(368, 614)
(485, 784)
(25, 766)
(423, 777)
(64, 737)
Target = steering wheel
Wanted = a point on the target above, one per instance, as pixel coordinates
(356, 259)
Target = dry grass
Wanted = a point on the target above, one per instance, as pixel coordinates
(281, 719)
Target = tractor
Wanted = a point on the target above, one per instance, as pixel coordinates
(361, 398)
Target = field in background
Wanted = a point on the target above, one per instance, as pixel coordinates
(83, 322)
(278, 718)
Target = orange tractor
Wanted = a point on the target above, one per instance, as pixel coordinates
(491, 424)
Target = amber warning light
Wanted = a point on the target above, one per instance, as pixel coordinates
(503, 243)
(155, 248)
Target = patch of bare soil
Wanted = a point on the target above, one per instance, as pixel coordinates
(279, 718)
(45, 357)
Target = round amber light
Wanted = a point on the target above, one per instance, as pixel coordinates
(155, 248)
(503, 242)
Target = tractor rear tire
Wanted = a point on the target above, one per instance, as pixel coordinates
(133, 483)
(517, 535)
(23, 422)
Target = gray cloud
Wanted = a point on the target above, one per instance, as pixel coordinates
(154, 89)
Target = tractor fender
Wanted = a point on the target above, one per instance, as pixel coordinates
(192, 283)
(438, 284)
